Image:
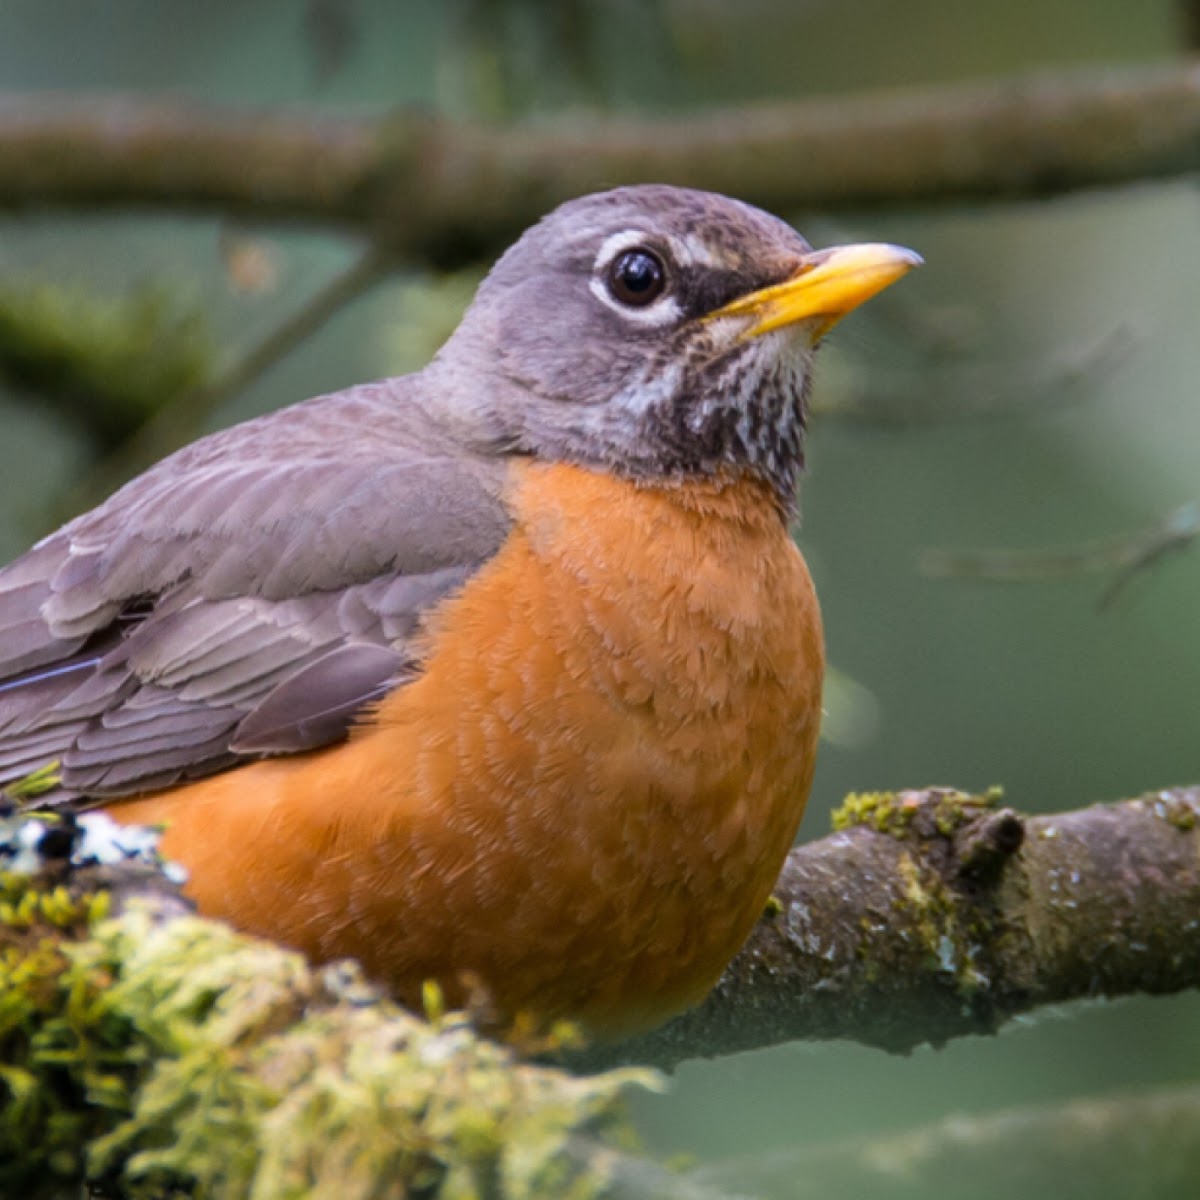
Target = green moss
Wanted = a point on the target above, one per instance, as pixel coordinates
(36, 783)
(172, 1056)
(161, 1056)
(885, 812)
(255, 1090)
(895, 813)
(946, 924)
(872, 968)
(1182, 816)
(949, 943)
(66, 1069)
(110, 361)
(1174, 809)
(954, 809)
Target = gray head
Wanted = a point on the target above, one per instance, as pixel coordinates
(658, 332)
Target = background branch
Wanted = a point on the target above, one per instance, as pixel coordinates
(1141, 1144)
(174, 424)
(444, 190)
(1123, 556)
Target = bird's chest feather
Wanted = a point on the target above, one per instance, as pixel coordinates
(622, 709)
(653, 645)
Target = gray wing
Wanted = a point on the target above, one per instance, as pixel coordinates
(249, 595)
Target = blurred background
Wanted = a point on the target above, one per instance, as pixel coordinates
(1034, 388)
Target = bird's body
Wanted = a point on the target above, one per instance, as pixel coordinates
(506, 674)
(601, 764)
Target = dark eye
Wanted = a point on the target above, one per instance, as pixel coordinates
(637, 277)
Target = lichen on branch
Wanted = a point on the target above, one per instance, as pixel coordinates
(932, 914)
(152, 1053)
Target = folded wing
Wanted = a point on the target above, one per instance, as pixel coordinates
(251, 595)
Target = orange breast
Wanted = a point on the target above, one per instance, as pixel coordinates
(586, 797)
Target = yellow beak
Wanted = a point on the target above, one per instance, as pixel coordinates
(829, 284)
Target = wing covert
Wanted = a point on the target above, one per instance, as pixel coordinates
(246, 596)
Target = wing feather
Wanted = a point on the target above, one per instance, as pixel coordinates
(253, 594)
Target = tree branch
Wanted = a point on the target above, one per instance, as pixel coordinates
(439, 189)
(933, 914)
(924, 916)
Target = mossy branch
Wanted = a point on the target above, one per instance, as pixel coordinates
(439, 189)
(154, 1051)
(931, 914)
(154, 1054)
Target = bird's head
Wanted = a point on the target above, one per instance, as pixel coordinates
(662, 333)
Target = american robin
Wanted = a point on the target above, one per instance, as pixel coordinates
(505, 671)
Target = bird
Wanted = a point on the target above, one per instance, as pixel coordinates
(504, 675)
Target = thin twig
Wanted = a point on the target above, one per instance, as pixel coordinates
(1140, 1144)
(1125, 555)
(936, 395)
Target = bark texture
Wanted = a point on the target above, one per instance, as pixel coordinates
(931, 914)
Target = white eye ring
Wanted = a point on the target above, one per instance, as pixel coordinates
(663, 311)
